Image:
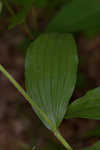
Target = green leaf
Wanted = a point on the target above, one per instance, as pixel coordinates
(87, 106)
(51, 66)
(19, 18)
(94, 147)
(77, 15)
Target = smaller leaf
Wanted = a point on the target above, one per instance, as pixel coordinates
(87, 106)
(19, 18)
(94, 147)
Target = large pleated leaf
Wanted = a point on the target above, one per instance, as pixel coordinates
(87, 106)
(51, 66)
(96, 146)
(77, 15)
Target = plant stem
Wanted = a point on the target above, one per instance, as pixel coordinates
(34, 105)
(62, 140)
(24, 26)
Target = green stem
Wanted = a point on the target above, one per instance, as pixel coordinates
(34, 105)
(62, 140)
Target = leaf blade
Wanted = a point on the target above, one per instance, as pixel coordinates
(50, 63)
(87, 106)
(76, 16)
